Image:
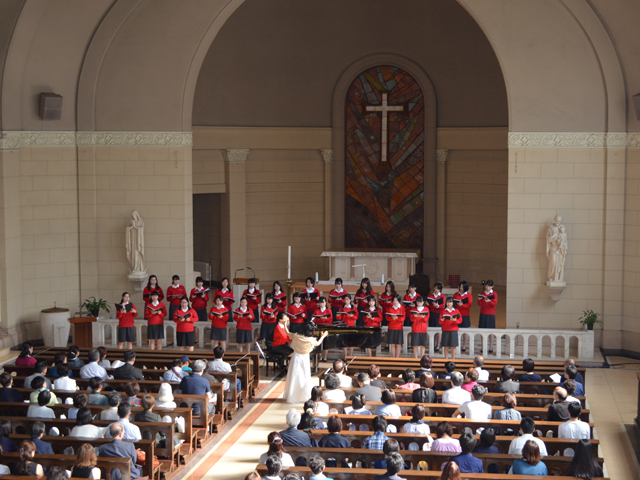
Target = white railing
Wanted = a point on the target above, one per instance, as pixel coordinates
(530, 342)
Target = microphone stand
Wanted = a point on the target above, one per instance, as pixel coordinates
(346, 367)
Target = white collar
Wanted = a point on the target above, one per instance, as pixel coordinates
(323, 309)
(219, 307)
(420, 308)
(339, 291)
(395, 308)
(297, 304)
(243, 309)
(414, 294)
(184, 309)
(155, 303)
(199, 289)
(462, 294)
(489, 292)
(310, 290)
(372, 308)
(251, 290)
(175, 286)
(266, 305)
(447, 310)
(125, 303)
(224, 290)
(436, 296)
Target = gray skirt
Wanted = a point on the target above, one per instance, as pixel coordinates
(126, 334)
(395, 337)
(266, 330)
(155, 332)
(487, 321)
(243, 336)
(449, 339)
(418, 339)
(219, 334)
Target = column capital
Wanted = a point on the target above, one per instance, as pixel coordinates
(441, 156)
(327, 155)
(236, 155)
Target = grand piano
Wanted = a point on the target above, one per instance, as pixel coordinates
(341, 335)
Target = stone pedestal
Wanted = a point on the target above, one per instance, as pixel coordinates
(139, 280)
(555, 289)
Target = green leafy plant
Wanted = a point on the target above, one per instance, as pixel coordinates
(94, 306)
(589, 318)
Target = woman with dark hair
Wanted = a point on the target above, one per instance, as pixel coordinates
(426, 393)
(126, 313)
(5, 442)
(310, 296)
(395, 335)
(298, 386)
(361, 299)
(103, 362)
(87, 461)
(444, 442)
(334, 439)
(84, 425)
(276, 448)
(388, 407)
(347, 314)
(584, 464)
(268, 316)
(449, 320)
(152, 286)
(435, 301)
(25, 464)
(72, 357)
(322, 316)
(279, 297)
(509, 412)
(372, 317)
(463, 301)
(488, 300)
(225, 292)
(470, 379)
(185, 316)
(358, 401)
(409, 378)
(451, 471)
(317, 396)
(386, 299)
(25, 358)
(530, 463)
(374, 375)
(417, 425)
(132, 389)
(311, 408)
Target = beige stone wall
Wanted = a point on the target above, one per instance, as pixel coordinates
(208, 171)
(631, 306)
(206, 230)
(476, 215)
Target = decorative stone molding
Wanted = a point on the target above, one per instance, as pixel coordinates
(441, 156)
(236, 155)
(15, 140)
(573, 140)
(327, 155)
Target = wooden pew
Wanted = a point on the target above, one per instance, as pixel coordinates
(462, 361)
(68, 461)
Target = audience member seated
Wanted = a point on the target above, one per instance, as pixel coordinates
(310, 406)
(465, 460)
(147, 415)
(253, 476)
(5, 442)
(37, 431)
(570, 386)
(8, 393)
(530, 463)
(165, 397)
(72, 357)
(338, 369)
(92, 369)
(194, 384)
(574, 427)
(509, 412)
(95, 397)
(38, 385)
(128, 371)
(87, 461)
(426, 362)
(41, 410)
(395, 463)
(358, 402)
(578, 379)
(449, 368)
(176, 374)
(57, 473)
(79, 400)
(486, 445)
(475, 409)
(211, 379)
(426, 392)
(409, 378)
(113, 400)
(470, 379)
(274, 465)
(103, 362)
(483, 375)
(26, 464)
(317, 395)
(584, 463)
(334, 439)
(132, 389)
(444, 442)
(417, 425)
(118, 448)
(527, 426)
(374, 375)
(451, 471)
(84, 425)
(4, 469)
(25, 358)
(63, 382)
(131, 431)
(456, 395)
(292, 437)
(389, 407)
(389, 447)
(276, 448)
(317, 465)
(59, 359)
(219, 365)
(332, 392)
(528, 365)
(570, 373)
(376, 441)
(371, 392)
(40, 370)
(292, 476)
(559, 409)
(506, 383)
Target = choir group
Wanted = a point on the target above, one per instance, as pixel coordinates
(393, 311)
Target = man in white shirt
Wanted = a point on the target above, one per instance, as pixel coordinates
(475, 409)
(131, 431)
(483, 375)
(113, 399)
(219, 365)
(527, 426)
(176, 374)
(345, 380)
(92, 369)
(574, 427)
(456, 395)
(41, 410)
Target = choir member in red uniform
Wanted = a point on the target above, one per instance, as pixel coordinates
(152, 286)
(225, 292)
(280, 337)
(310, 297)
(372, 317)
(462, 300)
(348, 314)
(297, 314)
(174, 293)
(268, 317)
(488, 301)
(155, 312)
(419, 316)
(362, 299)
(450, 318)
(185, 317)
(409, 302)
(395, 316)
(254, 298)
(199, 299)
(279, 297)
(125, 314)
(243, 317)
(323, 316)
(435, 302)
(336, 297)
(386, 299)
(219, 316)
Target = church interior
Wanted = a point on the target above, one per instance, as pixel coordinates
(240, 144)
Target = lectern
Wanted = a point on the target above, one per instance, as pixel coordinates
(83, 331)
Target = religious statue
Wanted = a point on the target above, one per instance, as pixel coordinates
(556, 250)
(135, 244)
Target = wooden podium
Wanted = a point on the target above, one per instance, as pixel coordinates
(83, 331)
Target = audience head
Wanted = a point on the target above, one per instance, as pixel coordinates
(332, 381)
(293, 417)
(508, 372)
(316, 394)
(275, 444)
(124, 410)
(199, 366)
(528, 365)
(478, 361)
(308, 419)
(394, 463)
(358, 401)
(308, 329)
(37, 429)
(148, 402)
(426, 362)
(449, 367)
(379, 424)
(27, 350)
(316, 464)
(570, 386)
(132, 389)
(426, 380)
(560, 394)
(467, 442)
(80, 400)
(26, 454)
(569, 361)
(93, 355)
(5, 379)
(253, 476)
(87, 456)
(338, 366)
(487, 437)
(575, 409)
(102, 352)
(417, 412)
(116, 431)
(444, 428)
(451, 471)
(44, 397)
(509, 400)
(584, 463)
(177, 362)
(571, 372)
(527, 425)
(363, 379)
(41, 366)
(114, 398)
(374, 371)
(472, 374)
(84, 417)
(334, 424)
(390, 446)
(531, 452)
(478, 392)
(408, 375)
(389, 397)
(274, 465)
(96, 384)
(129, 356)
(73, 352)
(38, 383)
(60, 358)
(57, 473)
(456, 379)
(292, 476)
(218, 352)
(5, 428)
(164, 393)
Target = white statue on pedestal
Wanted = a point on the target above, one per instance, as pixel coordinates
(135, 245)
(556, 252)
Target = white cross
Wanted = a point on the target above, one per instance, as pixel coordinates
(384, 109)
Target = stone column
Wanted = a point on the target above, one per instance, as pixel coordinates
(441, 202)
(234, 212)
(327, 156)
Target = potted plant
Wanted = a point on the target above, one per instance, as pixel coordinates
(589, 318)
(94, 306)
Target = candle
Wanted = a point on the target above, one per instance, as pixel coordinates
(316, 277)
(382, 281)
(289, 265)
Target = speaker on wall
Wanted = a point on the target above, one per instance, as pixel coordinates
(636, 104)
(50, 106)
